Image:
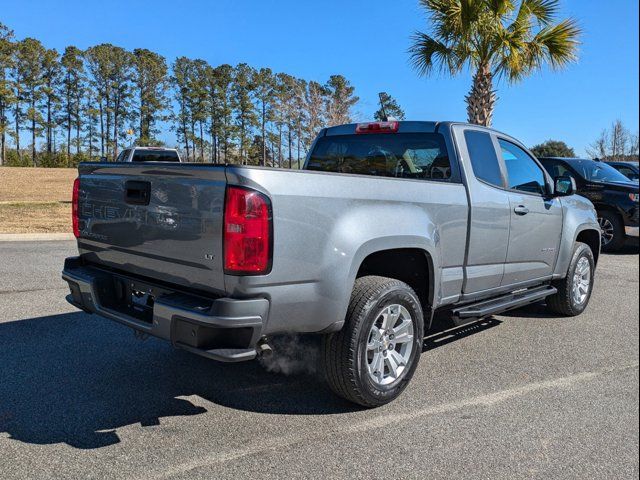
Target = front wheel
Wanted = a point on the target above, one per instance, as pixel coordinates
(574, 291)
(612, 231)
(372, 359)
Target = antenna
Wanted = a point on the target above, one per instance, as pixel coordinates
(384, 112)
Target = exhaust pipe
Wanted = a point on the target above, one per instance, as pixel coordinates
(263, 349)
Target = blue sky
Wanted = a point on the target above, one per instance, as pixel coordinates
(366, 41)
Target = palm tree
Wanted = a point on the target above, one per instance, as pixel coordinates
(494, 39)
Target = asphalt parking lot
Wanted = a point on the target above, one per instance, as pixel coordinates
(523, 395)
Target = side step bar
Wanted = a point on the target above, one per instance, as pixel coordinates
(504, 302)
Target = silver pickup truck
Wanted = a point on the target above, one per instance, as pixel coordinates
(387, 223)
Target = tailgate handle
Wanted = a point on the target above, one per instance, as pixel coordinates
(136, 192)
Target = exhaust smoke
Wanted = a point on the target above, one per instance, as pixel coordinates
(293, 355)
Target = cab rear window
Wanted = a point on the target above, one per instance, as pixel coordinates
(404, 155)
(155, 156)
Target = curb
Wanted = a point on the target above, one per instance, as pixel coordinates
(35, 237)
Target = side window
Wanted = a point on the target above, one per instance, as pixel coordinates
(564, 171)
(483, 157)
(627, 172)
(122, 156)
(557, 169)
(523, 172)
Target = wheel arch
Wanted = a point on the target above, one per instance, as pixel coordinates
(411, 265)
(592, 238)
(601, 207)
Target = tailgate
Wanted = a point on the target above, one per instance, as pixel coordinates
(160, 221)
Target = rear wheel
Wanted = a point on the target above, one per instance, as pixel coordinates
(574, 291)
(372, 359)
(612, 230)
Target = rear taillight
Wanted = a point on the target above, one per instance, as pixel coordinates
(377, 127)
(74, 207)
(247, 232)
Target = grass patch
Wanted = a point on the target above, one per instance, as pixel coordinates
(23, 217)
(28, 184)
(36, 200)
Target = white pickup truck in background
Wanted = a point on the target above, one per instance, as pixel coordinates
(148, 154)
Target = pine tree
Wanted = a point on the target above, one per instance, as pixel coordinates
(28, 79)
(6, 93)
(287, 112)
(111, 71)
(91, 122)
(299, 117)
(180, 81)
(388, 108)
(150, 81)
(314, 105)
(340, 100)
(265, 94)
(121, 82)
(72, 86)
(217, 87)
(51, 80)
(199, 99)
(245, 117)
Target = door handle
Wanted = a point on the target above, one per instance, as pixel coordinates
(521, 210)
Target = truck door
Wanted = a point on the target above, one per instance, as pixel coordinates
(489, 209)
(536, 219)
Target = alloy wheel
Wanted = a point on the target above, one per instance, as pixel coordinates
(607, 230)
(389, 345)
(581, 281)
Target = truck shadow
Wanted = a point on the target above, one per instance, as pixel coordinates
(443, 331)
(631, 247)
(74, 378)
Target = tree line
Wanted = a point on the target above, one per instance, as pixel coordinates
(75, 105)
(616, 144)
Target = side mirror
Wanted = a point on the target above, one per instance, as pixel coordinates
(564, 186)
(103, 159)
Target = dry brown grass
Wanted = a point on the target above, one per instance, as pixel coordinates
(35, 217)
(35, 200)
(28, 184)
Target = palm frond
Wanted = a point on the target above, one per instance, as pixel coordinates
(500, 8)
(557, 44)
(509, 57)
(452, 18)
(427, 54)
(543, 10)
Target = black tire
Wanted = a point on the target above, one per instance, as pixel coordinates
(563, 301)
(616, 224)
(344, 353)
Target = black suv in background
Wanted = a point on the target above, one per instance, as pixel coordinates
(628, 169)
(614, 196)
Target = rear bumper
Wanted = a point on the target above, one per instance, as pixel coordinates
(222, 329)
